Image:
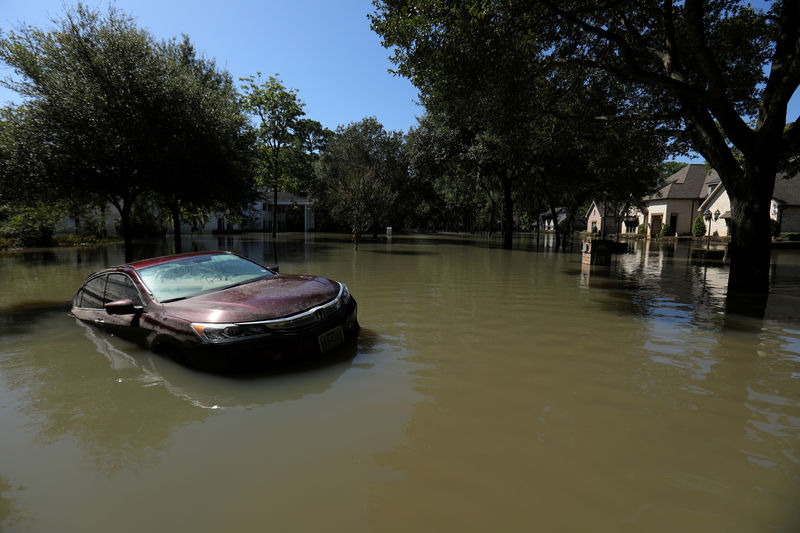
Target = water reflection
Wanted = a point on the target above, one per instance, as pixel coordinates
(124, 413)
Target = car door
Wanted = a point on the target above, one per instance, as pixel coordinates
(120, 287)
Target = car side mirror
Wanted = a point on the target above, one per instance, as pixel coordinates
(122, 307)
(274, 268)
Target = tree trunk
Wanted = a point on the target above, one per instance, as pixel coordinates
(274, 210)
(125, 222)
(749, 249)
(175, 212)
(508, 214)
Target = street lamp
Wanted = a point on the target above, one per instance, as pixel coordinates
(707, 216)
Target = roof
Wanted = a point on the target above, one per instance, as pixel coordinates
(719, 188)
(690, 182)
(602, 208)
(787, 191)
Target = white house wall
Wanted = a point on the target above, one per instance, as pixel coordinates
(685, 209)
(721, 203)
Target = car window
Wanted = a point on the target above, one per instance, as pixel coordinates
(120, 287)
(193, 275)
(92, 293)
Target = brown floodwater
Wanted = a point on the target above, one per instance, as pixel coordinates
(490, 390)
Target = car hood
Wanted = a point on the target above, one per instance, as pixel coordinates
(276, 297)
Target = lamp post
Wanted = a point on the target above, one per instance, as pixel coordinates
(707, 216)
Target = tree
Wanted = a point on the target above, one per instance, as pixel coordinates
(111, 116)
(443, 174)
(91, 87)
(359, 173)
(278, 112)
(206, 140)
(532, 127)
(471, 70)
(714, 66)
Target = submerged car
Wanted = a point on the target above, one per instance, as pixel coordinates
(217, 310)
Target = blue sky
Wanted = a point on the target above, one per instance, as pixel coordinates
(323, 48)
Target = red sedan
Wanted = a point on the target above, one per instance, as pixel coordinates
(217, 310)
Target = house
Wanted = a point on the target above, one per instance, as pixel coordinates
(546, 219)
(603, 219)
(294, 214)
(719, 205)
(676, 202)
(784, 207)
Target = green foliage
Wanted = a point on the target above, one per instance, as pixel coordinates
(699, 226)
(359, 175)
(560, 135)
(280, 135)
(668, 168)
(277, 112)
(642, 229)
(29, 225)
(666, 231)
(111, 115)
(790, 236)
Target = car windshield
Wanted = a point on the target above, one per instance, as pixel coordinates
(194, 275)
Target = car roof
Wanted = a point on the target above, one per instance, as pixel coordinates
(143, 263)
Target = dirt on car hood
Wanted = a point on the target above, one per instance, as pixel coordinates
(280, 296)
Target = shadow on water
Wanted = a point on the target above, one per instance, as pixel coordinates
(24, 317)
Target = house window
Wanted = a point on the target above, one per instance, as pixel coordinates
(594, 227)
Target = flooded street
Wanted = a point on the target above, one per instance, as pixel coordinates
(490, 390)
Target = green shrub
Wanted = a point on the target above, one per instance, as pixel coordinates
(29, 226)
(666, 231)
(790, 236)
(642, 229)
(699, 226)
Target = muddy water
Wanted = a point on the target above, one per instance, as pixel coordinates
(489, 391)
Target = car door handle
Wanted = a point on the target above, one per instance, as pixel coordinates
(99, 321)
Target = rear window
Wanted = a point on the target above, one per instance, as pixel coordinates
(199, 274)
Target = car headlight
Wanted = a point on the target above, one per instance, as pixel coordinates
(345, 293)
(228, 332)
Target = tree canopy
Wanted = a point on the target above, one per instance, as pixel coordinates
(360, 175)
(560, 134)
(281, 134)
(112, 114)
